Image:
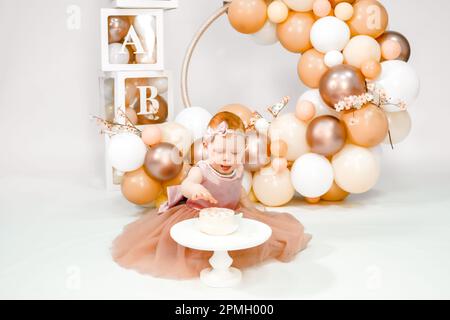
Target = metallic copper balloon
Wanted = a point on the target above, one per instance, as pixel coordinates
(340, 82)
(326, 135)
(139, 188)
(198, 152)
(163, 161)
(257, 153)
(118, 28)
(400, 39)
(159, 116)
(366, 127)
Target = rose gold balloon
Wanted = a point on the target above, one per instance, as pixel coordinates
(151, 135)
(311, 68)
(305, 110)
(247, 16)
(279, 148)
(159, 117)
(335, 194)
(241, 111)
(366, 127)
(326, 135)
(198, 152)
(334, 3)
(163, 162)
(294, 32)
(139, 188)
(371, 69)
(179, 178)
(399, 38)
(370, 18)
(118, 28)
(257, 153)
(340, 82)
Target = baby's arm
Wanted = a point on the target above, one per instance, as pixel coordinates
(245, 200)
(191, 187)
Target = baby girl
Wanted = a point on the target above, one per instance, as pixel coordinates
(146, 245)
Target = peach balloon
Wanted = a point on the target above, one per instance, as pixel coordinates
(151, 135)
(279, 164)
(361, 49)
(344, 11)
(305, 110)
(241, 111)
(371, 69)
(335, 194)
(267, 181)
(294, 33)
(312, 200)
(366, 127)
(277, 12)
(391, 50)
(279, 148)
(162, 198)
(370, 18)
(247, 16)
(311, 68)
(321, 8)
(138, 188)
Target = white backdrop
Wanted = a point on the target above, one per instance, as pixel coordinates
(49, 86)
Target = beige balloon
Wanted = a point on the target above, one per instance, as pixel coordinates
(399, 126)
(361, 49)
(177, 135)
(293, 132)
(273, 189)
(356, 169)
(300, 5)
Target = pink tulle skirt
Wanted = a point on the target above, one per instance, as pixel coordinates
(147, 247)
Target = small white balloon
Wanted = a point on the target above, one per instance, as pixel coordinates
(330, 34)
(126, 152)
(399, 126)
(262, 126)
(247, 181)
(334, 58)
(116, 56)
(267, 35)
(322, 109)
(312, 175)
(400, 82)
(161, 84)
(195, 119)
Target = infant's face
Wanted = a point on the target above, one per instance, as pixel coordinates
(226, 153)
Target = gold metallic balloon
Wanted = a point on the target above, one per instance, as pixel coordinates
(159, 116)
(257, 153)
(366, 127)
(335, 194)
(326, 135)
(178, 179)
(400, 39)
(118, 28)
(244, 113)
(198, 152)
(340, 82)
(163, 161)
(294, 33)
(369, 18)
(138, 188)
(247, 16)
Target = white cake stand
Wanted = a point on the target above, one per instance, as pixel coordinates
(250, 234)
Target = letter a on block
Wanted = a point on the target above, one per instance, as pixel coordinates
(153, 106)
(133, 39)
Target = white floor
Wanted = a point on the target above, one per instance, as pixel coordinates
(391, 243)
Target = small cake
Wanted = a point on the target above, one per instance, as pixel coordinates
(218, 221)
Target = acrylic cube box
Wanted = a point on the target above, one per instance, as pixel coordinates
(132, 39)
(162, 4)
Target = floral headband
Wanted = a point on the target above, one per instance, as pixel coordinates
(221, 130)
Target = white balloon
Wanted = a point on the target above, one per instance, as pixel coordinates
(334, 58)
(178, 135)
(399, 126)
(322, 109)
(145, 26)
(356, 169)
(267, 35)
(300, 5)
(312, 175)
(292, 131)
(330, 34)
(161, 84)
(126, 152)
(262, 126)
(195, 119)
(247, 181)
(116, 56)
(400, 82)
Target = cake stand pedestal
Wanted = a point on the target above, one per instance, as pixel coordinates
(251, 233)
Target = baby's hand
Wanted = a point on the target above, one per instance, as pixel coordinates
(199, 192)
